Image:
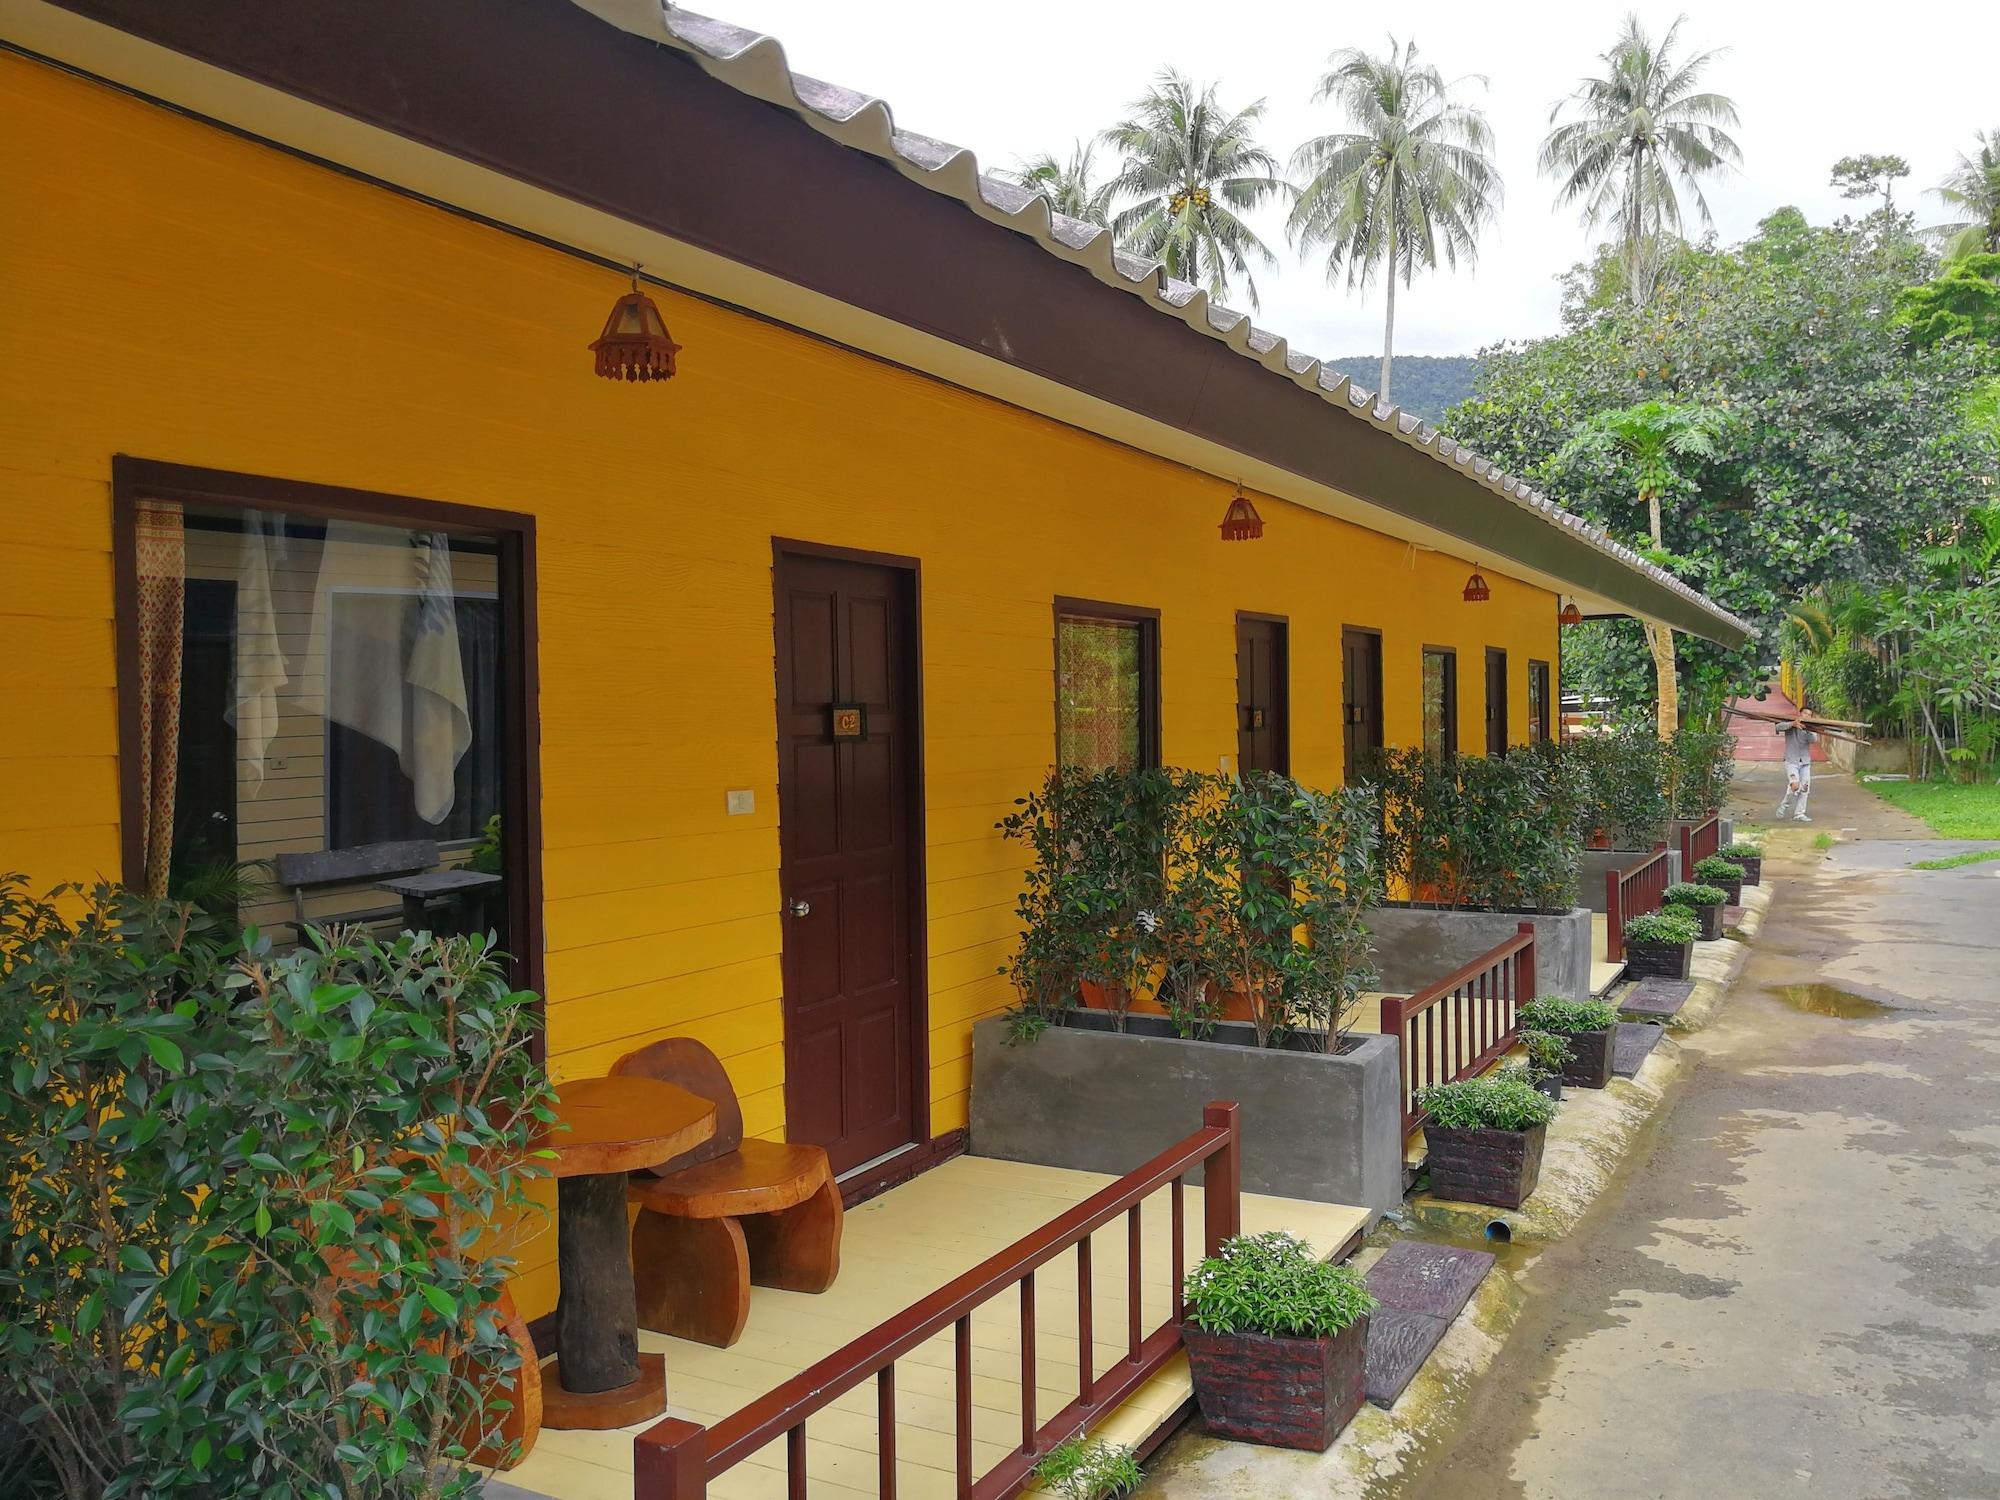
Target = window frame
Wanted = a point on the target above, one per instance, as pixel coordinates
(135, 479)
(1497, 716)
(1541, 721)
(1449, 731)
(1068, 606)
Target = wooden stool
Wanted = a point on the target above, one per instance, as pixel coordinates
(726, 1215)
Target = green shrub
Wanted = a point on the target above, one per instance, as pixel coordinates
(1669, 926)
(1741, 850)
(1273, 1284)
(1681, 893)
(1090, 1469)
(1547, 1052)
(1715, 867)
(1558, 1013)
(247, 1194)
(1623, 775)
(1495, 1101)
(1700, 767)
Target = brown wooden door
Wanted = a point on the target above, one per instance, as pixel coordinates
(1263, 696)
(1496, 701)
(1361, 698)
(848, 801)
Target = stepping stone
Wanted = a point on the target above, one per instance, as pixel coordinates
(1633, 1045)
(1656, 999)
(1421, 1288)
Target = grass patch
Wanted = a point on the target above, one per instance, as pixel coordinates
(1822, 842)
(1977, 857)
(1954, 811)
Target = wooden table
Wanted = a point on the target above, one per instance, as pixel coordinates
(614, 1126)
(418, 891)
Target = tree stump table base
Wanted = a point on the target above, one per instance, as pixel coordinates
(595, 1411)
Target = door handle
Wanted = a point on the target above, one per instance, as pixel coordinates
(799, 908)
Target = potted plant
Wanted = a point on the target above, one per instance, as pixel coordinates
(1277, 1340)
(1588, 1026)
(1703, 903)
(1547, 1052)
(1724, 874)
(1660, 944)
(1485, 1138)
(1749, 856)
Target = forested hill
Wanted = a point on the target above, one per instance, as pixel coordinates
(1423, 383)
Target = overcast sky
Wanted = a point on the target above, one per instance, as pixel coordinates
(1813, 83)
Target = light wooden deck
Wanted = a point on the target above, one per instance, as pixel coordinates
(1602, 970)
(897, 1248)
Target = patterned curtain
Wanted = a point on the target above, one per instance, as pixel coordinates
(162, 554)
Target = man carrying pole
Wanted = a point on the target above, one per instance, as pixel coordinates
(1799, 741)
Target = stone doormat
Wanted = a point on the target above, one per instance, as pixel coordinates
(1421, 1288)
(1633, 1045)
(1656, 999)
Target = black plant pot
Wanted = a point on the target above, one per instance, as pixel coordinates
(1710, 918)
(1550, 1084)
(1753, 868)
(1589, 1063)
(1731, 889)
(1658, 960)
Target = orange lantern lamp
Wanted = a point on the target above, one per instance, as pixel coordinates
(1241, 523)
(1570, 615)
(1477, 590)
(635, 344)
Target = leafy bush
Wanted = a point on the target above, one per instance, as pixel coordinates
(1273, 1284)
(1623, 776)
(1681, 893)
(247, 1195)
(1559, 1014)
(1701, 765)
(1090, 1469)
(1741, 850)
(1495, 1101)
(1499, 832)
(1547, 1052)
(1670, 926)
(1715, 867)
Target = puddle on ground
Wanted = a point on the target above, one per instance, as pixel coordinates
(1829, 1000)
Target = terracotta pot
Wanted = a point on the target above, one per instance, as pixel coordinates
(1283, 1393)
(1599, 838)
(1658, 960)
(1497, 1167)
(1589, 1062)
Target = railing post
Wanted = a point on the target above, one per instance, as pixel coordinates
(668, 1462)
(1222, 1180)
(1614, 916)
(1525, 990)
(1687, 851)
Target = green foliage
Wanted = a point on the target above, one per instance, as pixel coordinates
(1685, 893)
(1604, 662)
(1622, 778)
(1715, 867)
(487, 857)
(1961, 302)
(1547, 1052)
(214, 885)
(1972, 190)
(1024, 1025)
(1701, 766)
(1560, 1014)
(246, 1192)
(1953, 811)
(1499, 832)
(1494, 1101)
(1427, 384)
(1068, 185)
(1273, 1284)
(1090, 1469)
(1957, 861)
(1670, 926)
(1867, 174)
(1740, 850)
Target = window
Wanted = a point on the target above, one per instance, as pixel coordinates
(1538, 701)
(1107, 685)
(1440, 701)
(1497, 735)
(327, 720)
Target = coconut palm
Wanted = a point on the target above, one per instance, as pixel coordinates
(1067, 184)
(1656, 439)
(1973, 189)
(1412, 179)
(1642, 135)
(1188, 169)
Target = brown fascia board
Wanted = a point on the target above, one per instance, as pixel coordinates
(545, 92)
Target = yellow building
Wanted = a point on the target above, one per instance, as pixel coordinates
(323, 545)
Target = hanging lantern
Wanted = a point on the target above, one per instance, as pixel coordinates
(1570, 615)
(635, 344)
(1476, 589)
(1241, 523)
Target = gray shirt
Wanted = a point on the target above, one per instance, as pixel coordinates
(1798, 744)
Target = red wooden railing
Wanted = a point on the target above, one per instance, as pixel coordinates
(1698, 842)
(676, 1460)
(1629, 892)
(1463, 1024)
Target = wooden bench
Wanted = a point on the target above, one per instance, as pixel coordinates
(366, 865)
(728, 1214)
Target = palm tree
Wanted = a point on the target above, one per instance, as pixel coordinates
(1655, 438)
(1973, 188)
(1642, 135)
(1067, 185)
(1413, 178)
(1190, 168)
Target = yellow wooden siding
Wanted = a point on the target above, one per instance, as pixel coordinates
(179, 294)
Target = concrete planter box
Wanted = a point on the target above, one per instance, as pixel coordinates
(1658, 960)
(1083, 1096)
(1496, 1167)
(1596, 862)
(1283, 1393)
(1418, 945)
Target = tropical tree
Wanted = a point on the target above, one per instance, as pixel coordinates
(1410, 180)
(1641, 135)
(1655, 439)
(1067, 184)
(1866, 175)
(1189, 169)
(1972, 188)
